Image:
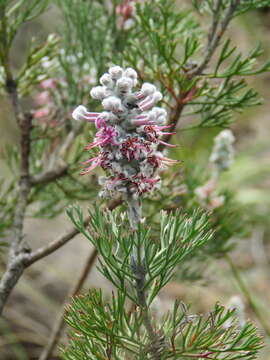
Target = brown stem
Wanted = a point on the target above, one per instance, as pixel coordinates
(24, 184)
(174, 118)
(18, 250)
(60, 324)
(49, 175)
(155, 346)
(215, 34)
(19, 263)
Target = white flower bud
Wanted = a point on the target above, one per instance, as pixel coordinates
(152, 116)
(116, 167)
(129, 72)
(157, 96)
(102, 180)
(223, 151)
(132, 74)
(99, 92)
(107, 80)
(79, 113)
(124, 85)
(115, 72)
(148, 89)
(159, 111)
(161, 115)
(112, 103)
(225, 136)
(161, 120)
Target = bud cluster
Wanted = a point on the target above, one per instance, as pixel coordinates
(221, 157)
(223, 151)
(128, 133)
(125, 12)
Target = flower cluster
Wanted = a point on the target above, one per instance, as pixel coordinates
(128, 133)
(221, 158)
(53, 88)
(223, 151)
(207, 195)
(125, 12)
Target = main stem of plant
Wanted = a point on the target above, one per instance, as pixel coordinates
(139, 269)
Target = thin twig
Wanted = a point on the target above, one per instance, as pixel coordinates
(215, 19)
(19, 263)
(50, 175)
(60, 323)
(155, 346)
(53, 245)
(18, 249)
(215, 34)
(61, 240)
(245, 291)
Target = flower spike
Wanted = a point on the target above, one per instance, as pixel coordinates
(129, 132)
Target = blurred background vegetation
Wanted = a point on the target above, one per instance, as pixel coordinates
(36, 300)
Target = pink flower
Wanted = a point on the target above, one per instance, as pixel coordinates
(41, 113)
(100, 160)
(125, 11)
(104, 137)
(154, 132)
(42, 98)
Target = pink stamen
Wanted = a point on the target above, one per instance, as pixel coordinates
(167, 133)
(90, 168)
(99, 122)
(93, 144)
(168, 160)
(166, 144)
(90, 160)
(164, 126)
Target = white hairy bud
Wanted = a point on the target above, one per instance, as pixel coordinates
(161, 120)
(112, 103)
(99, 92)
(108, 116)
(79, 113)
(223, 151)
(107, 80)
(148, 89)
(157, 96)
(115, 72)
(132, 74)
(159, 111)
(124, 85)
